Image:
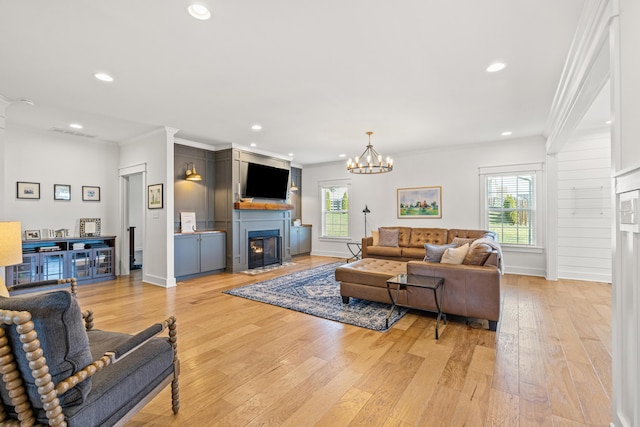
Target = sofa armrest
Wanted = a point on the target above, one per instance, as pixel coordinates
(470, 290)
(366, 241)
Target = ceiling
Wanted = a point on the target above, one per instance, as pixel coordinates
(315, 75)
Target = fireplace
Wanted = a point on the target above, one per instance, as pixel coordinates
(265, 248)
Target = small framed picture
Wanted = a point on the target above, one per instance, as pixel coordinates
(32, 235)
(90, 227)
(28, 190)
(90, 194)
(154, 199)
(61, 192)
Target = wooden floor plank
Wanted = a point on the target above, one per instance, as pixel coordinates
(247, 363)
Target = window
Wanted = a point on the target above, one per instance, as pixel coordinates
(335, 210)
(510, 203)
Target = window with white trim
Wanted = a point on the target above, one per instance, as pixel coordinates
(334, 199)
(511, 201)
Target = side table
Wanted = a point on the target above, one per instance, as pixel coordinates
(402, 281)
(356, 250)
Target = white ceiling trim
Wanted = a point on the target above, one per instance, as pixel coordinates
(585, 73)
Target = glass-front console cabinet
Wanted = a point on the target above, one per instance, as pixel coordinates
(88, 259)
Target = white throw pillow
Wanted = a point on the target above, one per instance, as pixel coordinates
(455, 255)
(376, 236)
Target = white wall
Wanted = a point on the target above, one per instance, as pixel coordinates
(51, 158)
(155, 151)
(585, 207)
(454, 169)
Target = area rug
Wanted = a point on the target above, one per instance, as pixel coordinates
(268, 268)
(315, 291)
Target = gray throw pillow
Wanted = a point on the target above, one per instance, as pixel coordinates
(388, 237)
(435, 252)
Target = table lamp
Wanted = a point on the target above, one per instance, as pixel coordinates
(10, 249)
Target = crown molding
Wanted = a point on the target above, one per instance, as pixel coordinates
(585, 73)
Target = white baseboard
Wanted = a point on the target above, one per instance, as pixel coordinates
(159, 281)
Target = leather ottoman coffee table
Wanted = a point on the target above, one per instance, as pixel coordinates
(367, 279)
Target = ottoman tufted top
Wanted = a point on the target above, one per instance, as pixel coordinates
(370, 271)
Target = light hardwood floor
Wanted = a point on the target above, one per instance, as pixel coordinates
(246, 363)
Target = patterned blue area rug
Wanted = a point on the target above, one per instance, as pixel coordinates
(315, 291)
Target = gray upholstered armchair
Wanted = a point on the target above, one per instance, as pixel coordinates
(58, 371)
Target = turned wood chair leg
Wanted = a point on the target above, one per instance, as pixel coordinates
(175, 385)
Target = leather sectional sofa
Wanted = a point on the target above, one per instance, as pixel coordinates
(471, 289)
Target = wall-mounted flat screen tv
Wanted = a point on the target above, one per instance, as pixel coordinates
(266, 182)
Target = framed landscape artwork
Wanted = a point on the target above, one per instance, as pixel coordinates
(419, 202)
(61, 192)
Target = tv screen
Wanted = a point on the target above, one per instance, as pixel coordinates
(266, 182)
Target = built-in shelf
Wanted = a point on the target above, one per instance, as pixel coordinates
(262, 206)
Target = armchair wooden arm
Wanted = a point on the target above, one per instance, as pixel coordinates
(49, 392)
(46, 284)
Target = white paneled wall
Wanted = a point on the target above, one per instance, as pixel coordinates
(585, 208)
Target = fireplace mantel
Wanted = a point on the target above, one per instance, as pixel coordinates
(262, 206)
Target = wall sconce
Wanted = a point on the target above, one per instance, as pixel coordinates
(191, 174)
(294, 187)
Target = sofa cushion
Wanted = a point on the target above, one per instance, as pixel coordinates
(413, 253)
(384, 251)
(376, 237)
(478, 254)
(455, 255)
(435, 252)
(389, 237)
(434, 236)
(467, 234)
(459, 241)
(63, 339)
(404, 234)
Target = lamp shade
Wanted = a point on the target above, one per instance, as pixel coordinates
(10, 243)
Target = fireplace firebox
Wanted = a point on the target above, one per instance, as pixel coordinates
(265, 248)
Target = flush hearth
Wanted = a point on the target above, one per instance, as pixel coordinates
(265, 248)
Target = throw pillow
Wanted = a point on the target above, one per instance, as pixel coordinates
(455, 255)
(478, 254)
(388, 237)
(376, 237)
(459, 241)
(435, 252)
(63, 339)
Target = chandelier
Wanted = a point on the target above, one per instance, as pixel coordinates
(370, 162)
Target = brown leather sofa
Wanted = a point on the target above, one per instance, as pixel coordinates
(470, 290)
(411, 242)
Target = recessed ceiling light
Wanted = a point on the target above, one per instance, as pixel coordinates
(342, 155)
(75, 125)
(253, 144)
(199, 11)
(290, 154)
(608, 122)
(103, 77)
(506, 133)
(496, 66)
(256, 127)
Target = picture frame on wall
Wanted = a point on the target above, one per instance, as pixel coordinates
(28, 190)
(61, 192)
(154, 197)
(31, 234)
(90, 194)
(419, 202)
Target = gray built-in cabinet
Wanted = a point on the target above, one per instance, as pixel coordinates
(198, 253)
(300, 240)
